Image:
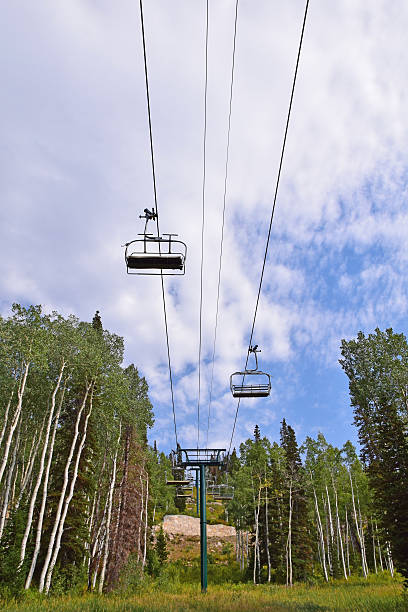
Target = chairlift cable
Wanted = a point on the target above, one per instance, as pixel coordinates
(202, 227)
(157, 216)
(273, 206)
(223, 213)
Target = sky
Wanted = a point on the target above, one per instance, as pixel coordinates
(75, 174)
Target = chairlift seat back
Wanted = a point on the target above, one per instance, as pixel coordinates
(250, 386)
(152, 255)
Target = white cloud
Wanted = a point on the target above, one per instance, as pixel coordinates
(75, 174)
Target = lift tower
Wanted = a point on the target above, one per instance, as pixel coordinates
(199, 459)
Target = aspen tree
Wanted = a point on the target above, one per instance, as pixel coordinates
(109, 514)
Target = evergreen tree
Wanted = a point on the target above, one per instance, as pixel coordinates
(161, 546)
(377, 369)
(297, 508)
(257, 434)
(97, 322)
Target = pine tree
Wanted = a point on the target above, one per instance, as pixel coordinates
(300, 555)
(97, 322)
(257, 434)
(161, 546)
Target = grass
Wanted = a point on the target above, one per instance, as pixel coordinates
(357, 596)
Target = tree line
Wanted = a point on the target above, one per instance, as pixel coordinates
(80, 488)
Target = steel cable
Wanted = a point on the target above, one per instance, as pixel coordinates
(223, 213)
(157, 217)
(273, 208)
(202, 227)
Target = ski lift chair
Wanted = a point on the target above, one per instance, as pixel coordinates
(178, 482)
(153, 255)
(251, 383)
(225, 492)
(184, 491)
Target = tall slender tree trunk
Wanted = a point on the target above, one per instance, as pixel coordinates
(379, 547)
(40, 469)
(68, 500)
(389, 559)
(44, 493)
(289, 569)
(256, 509)
(339, 532)
(3, 515)
(347, 545)
(268, 556)
(16, 418)
(145, 525)
(359, 535)
(328, 540)
(139, 531)
(6, 413)
(373, 540)
(108, 518)
(321, 536)
(64, 489)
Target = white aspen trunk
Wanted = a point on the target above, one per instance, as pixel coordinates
(13, 493)
(23, 455)
(256, 552)
(108, 518)
(40, 469)
(247, 547)
(320, 531)
(267, 534)
(97, 547)
(357, 527)
(30, 464)
(25, 468)
(373, 539)
(91, 521)
(139, 531)
(145, 526)
(68, 500)
(379, 547)
(339, 532)
(328, 541)
(347, 545)
(330, 518)
(362, 535)
(44, 494)
(289, 569)
(3, 430)
(255, 519)
(8, 486)
(63, 492)
(14, 422)
(389, 559)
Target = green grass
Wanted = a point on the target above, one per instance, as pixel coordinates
(356, 596)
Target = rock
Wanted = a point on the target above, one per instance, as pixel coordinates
(190, 526)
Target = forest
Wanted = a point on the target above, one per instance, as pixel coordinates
(81, 489)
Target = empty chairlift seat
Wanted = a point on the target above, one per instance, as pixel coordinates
(223, 492)
(250, 383)
(153, 255)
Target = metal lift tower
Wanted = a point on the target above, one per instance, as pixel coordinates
(199, 459)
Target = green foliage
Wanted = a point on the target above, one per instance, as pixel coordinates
(377, 369)
(45, 360)
(161, 547)
(11, 579)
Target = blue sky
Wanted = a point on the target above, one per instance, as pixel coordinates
(75, 175)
